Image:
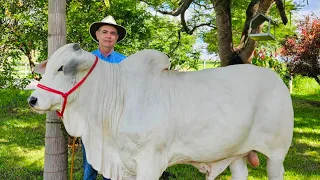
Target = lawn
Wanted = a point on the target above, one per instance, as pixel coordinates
(22, 134)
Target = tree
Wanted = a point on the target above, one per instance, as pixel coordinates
(25, 25)
(302, 53)
(55, 160)
(23, 30)
(221, 21)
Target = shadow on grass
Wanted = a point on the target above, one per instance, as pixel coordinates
(304, 155)
(16, 110)
(185, 172)
(307, 111)
(309, 97)
(303, 158)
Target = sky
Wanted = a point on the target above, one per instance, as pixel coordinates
(312, 6)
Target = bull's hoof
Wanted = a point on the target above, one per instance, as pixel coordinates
(167, 175)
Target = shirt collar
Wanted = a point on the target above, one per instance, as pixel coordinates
(107, 54)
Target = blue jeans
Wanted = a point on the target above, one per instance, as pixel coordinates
(89, 172)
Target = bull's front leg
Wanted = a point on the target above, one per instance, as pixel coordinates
(150, 165)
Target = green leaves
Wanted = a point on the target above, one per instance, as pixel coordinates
(303, 51)
(266, 57)
(23, 24)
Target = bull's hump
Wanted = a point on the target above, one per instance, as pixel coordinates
(147, 61)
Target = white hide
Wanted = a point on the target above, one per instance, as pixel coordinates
(136, 118)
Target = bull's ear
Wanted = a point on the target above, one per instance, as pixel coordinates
(75, 65)
(40, 68)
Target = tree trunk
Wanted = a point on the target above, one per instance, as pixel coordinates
(55, 160)
(224, 30)
(31, 63)
(317, 79)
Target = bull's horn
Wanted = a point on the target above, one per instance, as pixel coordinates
(76, 47)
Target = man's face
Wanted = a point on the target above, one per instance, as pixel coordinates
(107, 36)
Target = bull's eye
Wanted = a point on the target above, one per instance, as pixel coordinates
(60, 69)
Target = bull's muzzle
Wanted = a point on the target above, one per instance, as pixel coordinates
(32, 101)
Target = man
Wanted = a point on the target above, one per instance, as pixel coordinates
(107, 33)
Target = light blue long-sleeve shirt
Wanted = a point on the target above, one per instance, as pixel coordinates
(114, 57)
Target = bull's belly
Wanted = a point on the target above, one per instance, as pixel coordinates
(206, 154)
(212, 154)
(209, 145)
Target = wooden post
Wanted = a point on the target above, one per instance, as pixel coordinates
(290, 83)
(56, 152)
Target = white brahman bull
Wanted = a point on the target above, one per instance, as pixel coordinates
(137, 118)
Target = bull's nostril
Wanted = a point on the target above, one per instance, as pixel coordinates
(32, 101)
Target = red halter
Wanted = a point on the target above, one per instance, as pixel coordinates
(65, 95)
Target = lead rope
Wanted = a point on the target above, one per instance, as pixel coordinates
(72, 159)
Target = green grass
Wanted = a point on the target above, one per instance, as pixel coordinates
(21, 137)
(207, 65)
(22, 134)
(305, 86)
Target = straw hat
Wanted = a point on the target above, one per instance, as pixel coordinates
(109, 20)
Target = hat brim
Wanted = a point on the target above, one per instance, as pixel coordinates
(96, 25)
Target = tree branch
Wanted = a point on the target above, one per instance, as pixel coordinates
(183, 22)
(209, 24)
(206, 7)
(183, 5)
(281, 8)
(181, 10)
(177, 45)
(185, 27)
(251, 10)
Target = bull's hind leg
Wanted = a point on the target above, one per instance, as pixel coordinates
(212, 170)
(239, 170)
(237, 164)
(275, 168)
(217, 168)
